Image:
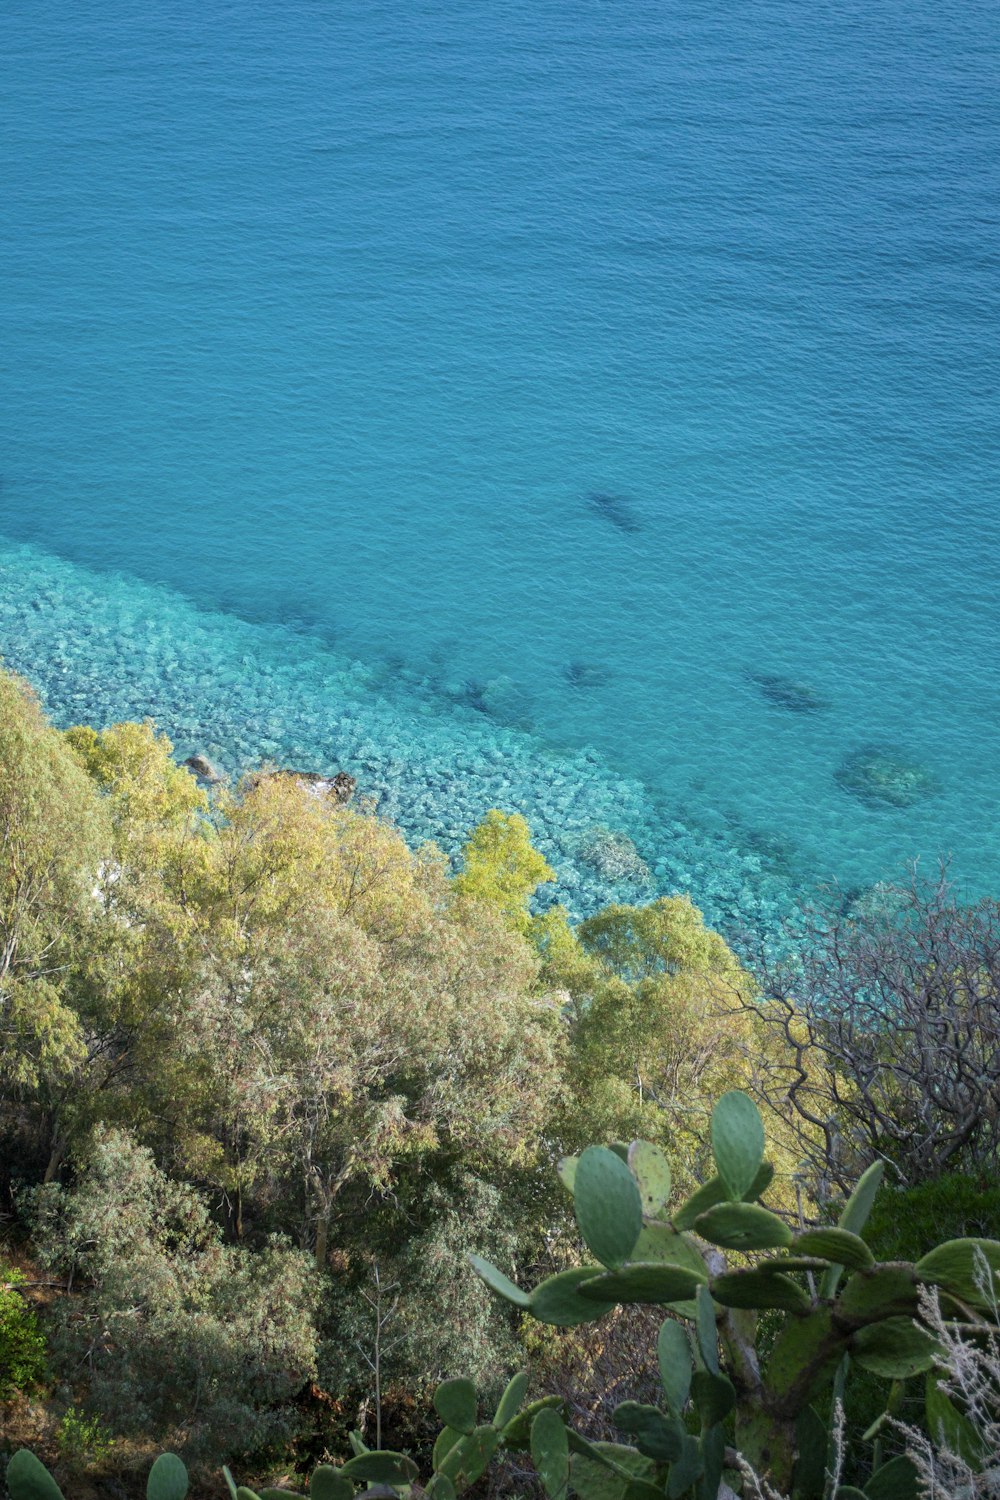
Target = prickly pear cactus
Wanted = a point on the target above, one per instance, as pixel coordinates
(719, 1395)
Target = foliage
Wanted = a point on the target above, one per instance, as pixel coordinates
(891, 1014)
(22, 1343)
(54, 838)
(959, 1459)
(905, 1220)
(722, 1393)
(83, 1440)
(501, 867)
(660, 1028)
(462, 1453)
(180, 1333)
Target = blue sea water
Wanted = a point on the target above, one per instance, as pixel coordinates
(506, 401)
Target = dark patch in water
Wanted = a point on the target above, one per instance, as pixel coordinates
(785, 692)
(617, 510)
(503, 699)
(586, 674)
(882, 776)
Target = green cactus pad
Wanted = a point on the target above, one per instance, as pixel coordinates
(557, 1299)
(244, 1492)
(743, 1226)
(651, 1171)
(855, 1216)
(230, 1481)
(804, 1343)
(673, 1353)
(498, 1282)
(895, 1348)
(566, 1168)
(467, 1461)
(760, 1289)
(713, 1192)
(713, 1397)
(869, 1295)
(951, 1428)
(837, 1245)
(812, 1439)
(381, 1466)
(895, 1480)
(642, 1489)
(658, 1437)
(859, 1205)
(443, 1444)
(643, 1283)
(510, 1401)
(761, 1183)
(328, 1483)
(440, 1488)
(168, 1479)
(517, 1433)
(550, 1452)
(593, 1477)
(960, 1265)
(457, 1405)
(29, 1479)
(706, 1330)
(608, 1205)
(661, 1242)
(783, 1265)
(713, 1458)
(687, 1470)
(737, 1142)
(271, 1492)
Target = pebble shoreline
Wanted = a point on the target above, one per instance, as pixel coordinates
(101, 647)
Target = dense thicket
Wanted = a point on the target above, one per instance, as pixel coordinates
(267, 1077)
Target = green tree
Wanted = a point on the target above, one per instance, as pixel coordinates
(185, 1339)
(501, 867)
(660, 1028)
(54, 840)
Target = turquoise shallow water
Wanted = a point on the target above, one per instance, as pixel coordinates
(325, 325)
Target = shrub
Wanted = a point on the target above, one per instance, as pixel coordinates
(183, 1337)
(22, 1343)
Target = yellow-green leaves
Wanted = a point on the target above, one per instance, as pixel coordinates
(501, 867)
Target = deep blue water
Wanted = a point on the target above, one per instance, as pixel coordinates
(324, 324)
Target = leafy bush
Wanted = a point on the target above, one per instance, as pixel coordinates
(82, 1440)
(22, 1343)
(182, 1336)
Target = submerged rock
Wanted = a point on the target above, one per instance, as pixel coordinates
(201, 766)
(613, 856)
(586, 674)
(882, 776)
(341, 786)
(502, 698)
(785, 692)
(617, 510)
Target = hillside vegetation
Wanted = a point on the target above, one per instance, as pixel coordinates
(268, 1078)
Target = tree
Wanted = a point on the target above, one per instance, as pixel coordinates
(659, 1029)
(54, 839)
(890, 1016)
(182, 1337)
(501, 867)
(348, 1013)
